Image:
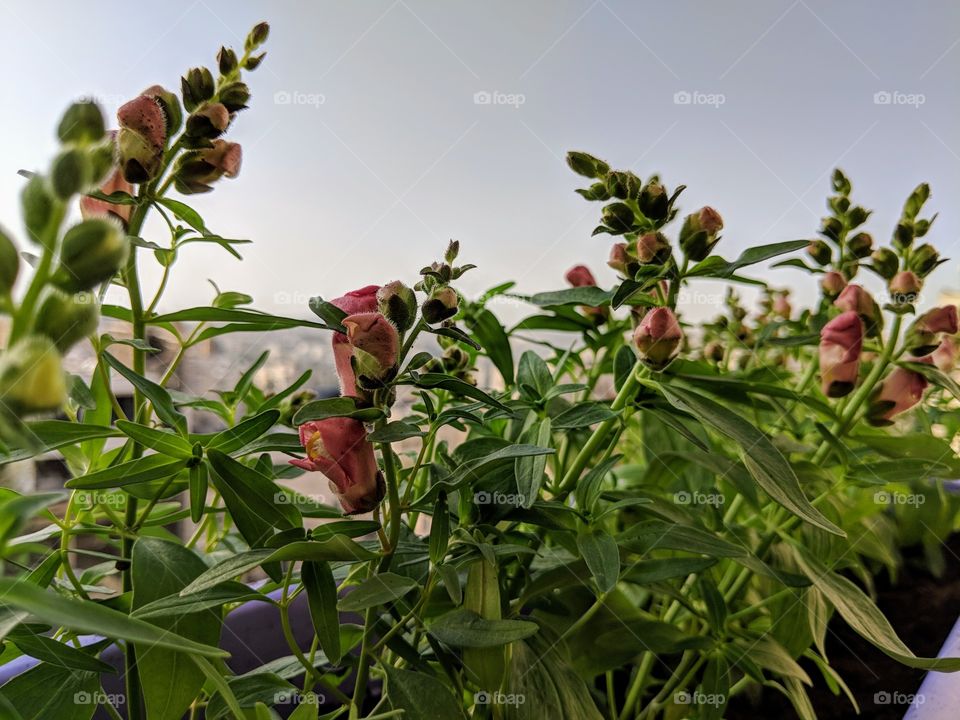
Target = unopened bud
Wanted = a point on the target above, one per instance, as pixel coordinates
(587, 165)
(831, 227)
(31, 377)
(859, 300)
(196, 87)
(623, 185)
(903, 235)
(904, 287)
(257, 36)
(82, 123)
(857, 216)
(841, 342)
(170, 104)
(66, 318)
(885, 262)
(375, 345)
(832, 284)
(235, 96)
(227, 61)
(820, 252)
(139, 160)
(9, 263)
(658, 337)
(700, 233)
(92, 252)
(860, 245)
(622, 261)
(398, 303)
(197, 169)
(442, 304)
(618, 217)
(653, 248)
(653, 201)
(71, 173)
(924, 259)
(41, 210)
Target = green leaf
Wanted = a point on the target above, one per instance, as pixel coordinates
(267, 688)
(335, 407)
(588, 295)
(420, 696)
(764, 462)
(48, 691)
(337, 547)
(466, 629)
(770, 655)
(232, 439)
(170, 680)
(51, 651)
(495, 342)
(716, 266)
(658, 534)
(529, 469)
(91, 617)
(533, 375)
(395, 432)
(186, 213)
(457, 386)
(145, 469)
(198, 491)
(583, 415)
(215, 597)
(327, 311)
(157, 395)
(16, 510)
(599, 551)
(866, 619)
(317, 579)
(380, 589)
(240, 320)
(47, 435)
(936, 376)
(162, 441)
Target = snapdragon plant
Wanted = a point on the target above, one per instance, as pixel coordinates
(639, 518)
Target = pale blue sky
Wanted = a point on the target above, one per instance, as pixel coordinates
(368, 185)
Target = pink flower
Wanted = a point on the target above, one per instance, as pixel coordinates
(363, 300)
(338, 448)
(580, 276)
(900, 391)
(939, 320)
(144, 115)
(854, 297)
(658, 337)
(781, 306)
(619, 259)
(91, 207)
(945, 356)
(841, 341)
(375, 342)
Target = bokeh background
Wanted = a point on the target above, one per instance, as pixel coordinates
(380, 129)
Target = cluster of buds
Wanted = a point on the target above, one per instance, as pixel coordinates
(843, 246)
(442, 301)
(455, 361)
(775, 305)
(580, 276)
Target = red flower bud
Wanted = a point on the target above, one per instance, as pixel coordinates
(841, 341)
(580, 276)
(658, 337)
(338, 448)
(832, 284)
(145, 116)
(375, 343)
(363, 300)
(652, 247)
(904, 287)
(900, 391)
(939, 320)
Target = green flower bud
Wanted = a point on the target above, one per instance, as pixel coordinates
(618, 217)
(196, 87)
(398, 303)
(227, 61)
(860, 245)
(71, 173)
(235, 96)
(820, 252)
(209, 121)
(82, 123)
(442, 304)
(653, 201)
(597, 191)
(41, 210)
(700, 233)
(257, 36)
(9, 263)
(484, 666)
(885, 262)
(840, 182)
(831, 227)
(92, 252)
(623, 185)
(253, 62)
(924, 259)
(903, 235)
(101, 160)
(66, 319)
(857, 216)
(31, 377)
(587, 165)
